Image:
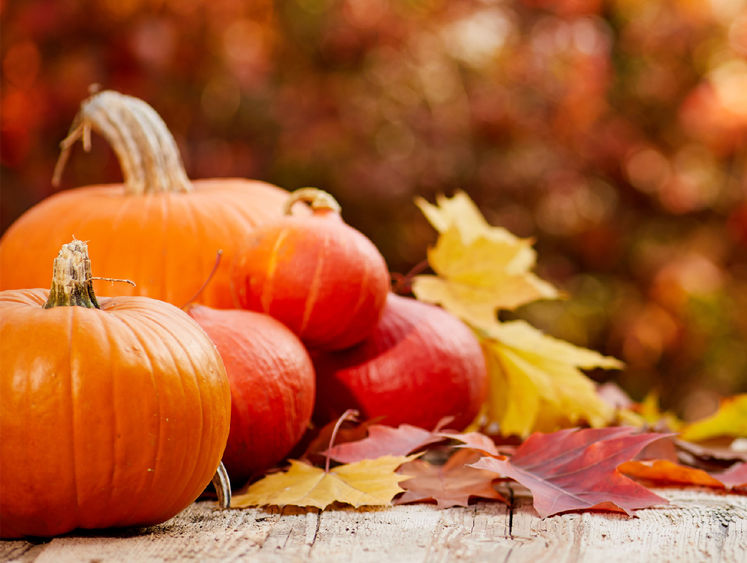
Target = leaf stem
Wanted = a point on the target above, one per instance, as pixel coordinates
(350, 414)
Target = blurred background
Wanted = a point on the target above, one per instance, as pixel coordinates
(613, 132)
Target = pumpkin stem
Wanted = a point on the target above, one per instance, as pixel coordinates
(222, 485)
(145, 148)
(317, 199)
(71, 278)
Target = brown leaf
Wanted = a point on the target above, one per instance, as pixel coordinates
(711, 455)
(451, 484)
(384, 440)
(577, 469)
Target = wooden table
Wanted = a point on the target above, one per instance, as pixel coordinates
(698, 525)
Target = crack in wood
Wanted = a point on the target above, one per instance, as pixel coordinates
(510, 513)
(316, 529)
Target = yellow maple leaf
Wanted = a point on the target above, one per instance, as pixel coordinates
(536, 382)
(729, 420)
(480, 268)
(371, 482)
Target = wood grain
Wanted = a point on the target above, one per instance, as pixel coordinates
(698, 525)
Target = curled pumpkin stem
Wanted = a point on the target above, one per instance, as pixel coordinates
(317, 199)
(222, 486)
(145, 148)
(71, 278)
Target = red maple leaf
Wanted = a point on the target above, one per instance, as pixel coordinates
(577, 469)
(475, 441)
(735, 477)
(384, 440)
(450, 484)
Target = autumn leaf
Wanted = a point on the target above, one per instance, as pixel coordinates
(667, 472)
(480, 268)
(536, 381)
(735, 477)
(450, 484)
(349, 431)
(384, 440)
(711, 455)
(474, 440)
(577, 469)
(729, 420)
(365, 483)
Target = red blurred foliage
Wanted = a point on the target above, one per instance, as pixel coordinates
(613, 132)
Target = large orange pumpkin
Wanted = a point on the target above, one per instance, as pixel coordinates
(112, 412)
(158, 229)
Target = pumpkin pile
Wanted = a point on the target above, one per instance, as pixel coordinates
(115, 411)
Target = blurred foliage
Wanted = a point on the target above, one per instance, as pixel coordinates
(614, 132)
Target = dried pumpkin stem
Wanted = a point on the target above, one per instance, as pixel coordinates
(316, 199)
(145, 148)
(71, 278)
(222, 484)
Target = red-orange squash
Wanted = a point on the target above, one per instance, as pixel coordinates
(320, 277)
(113, 412)
(158, 229)
(272, 387)
(419, 365)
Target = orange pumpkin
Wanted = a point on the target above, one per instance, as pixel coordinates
(419, 365)
(320, 277)
(158, 229)
(112, 412)
(272, 387)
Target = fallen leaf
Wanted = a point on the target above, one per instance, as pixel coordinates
(711, 455)
(536, 382)
(384, 440)
(450, 484)
(667, 472)
(318, 440)
(660, 449)
(475, 441)
(365, 483)
(729, 420)
(480, 268)
(577, 469)
(735, 477)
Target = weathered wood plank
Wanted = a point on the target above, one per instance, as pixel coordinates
(699, 525)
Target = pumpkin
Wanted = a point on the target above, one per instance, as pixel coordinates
(158, 229)
(272, 387)
(420, 364)
(320, 277)
(113, 411)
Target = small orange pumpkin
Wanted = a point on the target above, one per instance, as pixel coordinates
(113, 412)
(320, 277)
(272, 387)
(158, 229)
